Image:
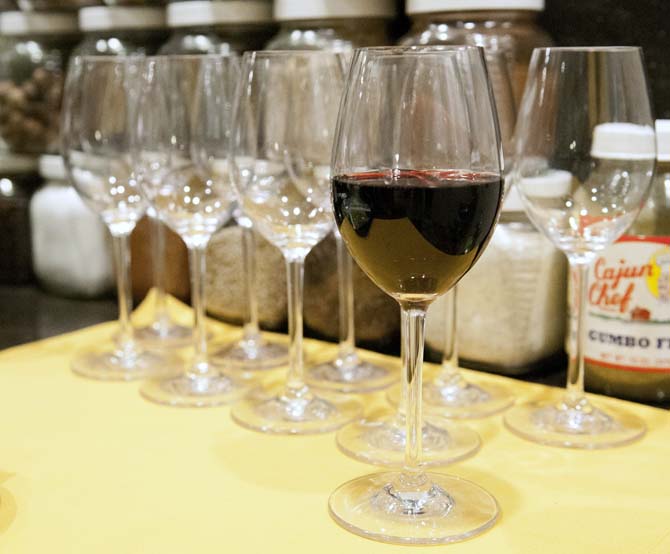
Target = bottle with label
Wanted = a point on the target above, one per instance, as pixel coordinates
(628, 322)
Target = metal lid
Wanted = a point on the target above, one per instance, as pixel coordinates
(297, 10)
(623, 141)
(430, 6)
(52, 167)
(22, 23)
(107, 18)
(224, 12)
(663, 140)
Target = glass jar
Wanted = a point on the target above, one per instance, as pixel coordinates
(339, 26)
(511, 305)
(55, 5)
(627, 346)
(33, 55)
(116, 30)
(18, 181)
(508, 25)
(217, 27)
(71, 252)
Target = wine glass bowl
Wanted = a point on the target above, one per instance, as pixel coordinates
(584, 158)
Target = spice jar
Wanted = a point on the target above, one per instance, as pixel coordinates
(55, 5)
(511, 304)
(217, 27)
(331, 25)
(508, 25)
(71, 251)
(18, 181)
(33, 55)
(116, 30)
(627, 350)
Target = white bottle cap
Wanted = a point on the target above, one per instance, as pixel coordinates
(663, 140)
(226, 12)
(21, 23)
(430, 6)
(52, 167)
(623, 141)
(298, 10)
(107, 18)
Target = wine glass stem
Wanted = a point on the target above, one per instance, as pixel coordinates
(579, 271)
(449, 373)
(413, 327)
(158, 273)
(197, 259)
(345, 290)
(122, 266)
(295, 280)
(251, 328)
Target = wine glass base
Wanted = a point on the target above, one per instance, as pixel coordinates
(194, 392)
(460, 402)
(114, 365)
(273, 410)
(170, 335)
(553, 422)
(351, 377)
(447, 510)
(381, 441)
(252, 355)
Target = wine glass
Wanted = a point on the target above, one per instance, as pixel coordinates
(98, 110)
(183, 134)
(162, 331)
(284, 124)
(449, 393)
(585, 153)
(417, 187)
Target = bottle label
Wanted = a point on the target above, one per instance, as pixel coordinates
(628, 306)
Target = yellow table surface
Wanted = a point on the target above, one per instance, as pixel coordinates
(90, 467)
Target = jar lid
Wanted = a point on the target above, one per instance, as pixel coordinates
(552, 183)
(16, 164)
(623, 141)
(663, 140)
(205, 13)
(107, 18)
(512, 201)
(297, 10)
(22, 23)
(52, 167)
(429, 6)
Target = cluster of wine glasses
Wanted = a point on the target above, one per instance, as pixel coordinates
(399, 152)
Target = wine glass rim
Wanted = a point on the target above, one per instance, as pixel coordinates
(287, 53)
(589, 49)
(209, 56)
(419, 49)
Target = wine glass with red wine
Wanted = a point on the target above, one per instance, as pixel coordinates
(417, 187)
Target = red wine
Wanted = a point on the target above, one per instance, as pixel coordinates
(416, 233)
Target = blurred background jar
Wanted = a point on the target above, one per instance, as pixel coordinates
(119, 30)
(512, 304)
(18, 181)
(134, 2)
(202, 27)
(55, 5)
(7, 5)
(33, 56)
(71, 251)
(508, 25)
(628, 343)
(332, 24)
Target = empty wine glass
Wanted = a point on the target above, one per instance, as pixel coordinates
(183, 133)
(417, 187)
(284, 124)
(449, 393)
(584, 158)
(98, 116)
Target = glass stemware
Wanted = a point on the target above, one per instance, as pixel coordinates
(449, 393)
(183, 132)
(163, 331)
(585, 153)
(284, 124)
(98, 114)
(417, 187)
